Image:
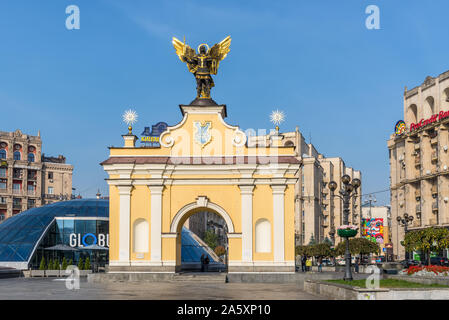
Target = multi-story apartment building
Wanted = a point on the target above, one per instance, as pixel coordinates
(419, 159)
(317, 216)
(27, 178)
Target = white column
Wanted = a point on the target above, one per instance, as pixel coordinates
(246, 193)
(124, 220)
(278, 222)
(156, 223)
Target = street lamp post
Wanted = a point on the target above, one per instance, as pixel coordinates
(405, 221)
(348, 191)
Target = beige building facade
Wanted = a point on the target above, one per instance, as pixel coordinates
(28, 178)
(419, 160)
(317, 216)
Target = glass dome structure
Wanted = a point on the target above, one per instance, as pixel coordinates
(66, 230)
(21, 234)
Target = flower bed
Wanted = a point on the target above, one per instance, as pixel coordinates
(427, 271)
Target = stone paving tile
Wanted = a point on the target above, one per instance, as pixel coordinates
(54, 289)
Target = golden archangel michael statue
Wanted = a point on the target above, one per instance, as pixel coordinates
(204, 63)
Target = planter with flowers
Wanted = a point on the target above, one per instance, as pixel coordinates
(347, 231)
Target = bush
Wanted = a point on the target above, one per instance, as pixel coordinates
(87, 264)
(56, 264)
(80, 264)
(70, 262)
(220, 250)
(50, 264)
(64, 263)
(42, 265)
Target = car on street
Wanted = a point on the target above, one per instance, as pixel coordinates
(439, 261)
(409, 263)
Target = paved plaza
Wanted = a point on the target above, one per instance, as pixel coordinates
(55, 289)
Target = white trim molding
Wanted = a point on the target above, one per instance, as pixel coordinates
(246, 192)
(156, 223)
(278, 221)
(124, 226)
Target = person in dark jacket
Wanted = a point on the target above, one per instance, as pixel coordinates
(206, 263)
(303, 263)
(202, 262)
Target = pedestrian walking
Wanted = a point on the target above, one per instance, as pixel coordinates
(309, 264)
(206, 263)
(320, 264)
(202, 262)
(356, 265)
(303, 263)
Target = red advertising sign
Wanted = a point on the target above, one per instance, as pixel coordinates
(425, 122)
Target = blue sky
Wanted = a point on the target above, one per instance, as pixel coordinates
(341, 83)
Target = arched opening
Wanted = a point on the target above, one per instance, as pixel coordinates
(3, 154)
(263, 235)
(141, 236)
(429, 107)
(202, 231)
(17, 155)
(446, 98)
(289, 143)
(412, 114)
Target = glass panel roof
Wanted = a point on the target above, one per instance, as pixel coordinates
(20, 233)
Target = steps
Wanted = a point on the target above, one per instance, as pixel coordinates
(215, 277)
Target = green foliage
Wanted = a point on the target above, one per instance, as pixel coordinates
(50, 264)
(70, 262)
(87, 264)
(320, 250)
(426, 240)
(211, 239)
(64, 263)
(357, 246)
(328, 241)
(312, 240)
(42, 265)
(80, 264)
(56, 264)
(219, 250)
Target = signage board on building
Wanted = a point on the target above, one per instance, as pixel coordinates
(373, 229)
(425, 122)
(151, 138)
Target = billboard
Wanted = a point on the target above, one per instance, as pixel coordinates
(373, 229)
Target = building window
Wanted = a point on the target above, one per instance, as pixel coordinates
(50, 175)
(2, 200)
(263, 236)
(30, 157)
(17, 155)
(50, 190)
(141, 236)
(2, 172)
(3, 184)
(2, 216)
(2, 154)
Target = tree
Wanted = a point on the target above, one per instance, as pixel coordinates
(211, 239)
(426, 240)
(220, 250)
(303, 251)
(42, 265)
(80, 264)
(312, 240)
(87, 264)
(70, 262)
(357, 246)
(50, 264)
(64, 263)
(328, 241)
(322, 250)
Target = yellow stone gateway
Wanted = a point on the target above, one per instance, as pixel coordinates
(203, 164)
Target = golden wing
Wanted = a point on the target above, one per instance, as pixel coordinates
(183, 51)
(218, 52)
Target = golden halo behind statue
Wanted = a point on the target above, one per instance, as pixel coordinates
(203, 44)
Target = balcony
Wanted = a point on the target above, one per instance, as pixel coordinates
(434, 141)
(16, 191)
(435, 206)
(17, 206)
(58, 197)
(418, 208)
(417, 194)
(434, 190)
(32, 177)
(31, 192)
(417, 161)
(434, 156)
